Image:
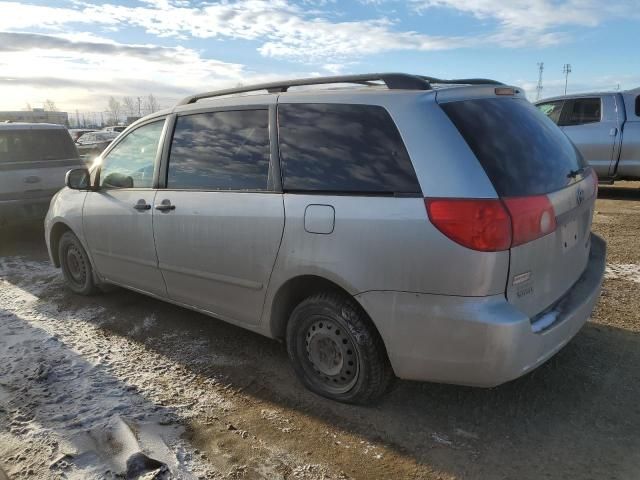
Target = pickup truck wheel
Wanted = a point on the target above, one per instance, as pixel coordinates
(335, 350)
(76, 267)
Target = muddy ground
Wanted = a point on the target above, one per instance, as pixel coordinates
(89, 383)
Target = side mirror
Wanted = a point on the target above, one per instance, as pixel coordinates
(78, 179)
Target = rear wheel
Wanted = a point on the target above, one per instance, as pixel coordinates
(335, 350)
(76, 268)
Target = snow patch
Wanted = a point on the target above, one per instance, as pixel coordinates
(623, 271)
(95, 406)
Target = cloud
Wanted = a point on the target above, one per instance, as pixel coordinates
(16, 42)
(284, 29)
(291, 31)
(89, 71)
(537, 22)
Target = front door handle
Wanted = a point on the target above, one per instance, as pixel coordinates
(142, 205)
(613, 132)
(165, 206)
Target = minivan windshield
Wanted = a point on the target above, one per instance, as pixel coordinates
(522, 151)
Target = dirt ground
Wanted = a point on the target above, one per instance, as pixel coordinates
(87, 384)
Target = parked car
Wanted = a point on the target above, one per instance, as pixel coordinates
(93, 143)
(78, 132)
(438, 234)
(605, 127)
(34, 158)
(115, 128)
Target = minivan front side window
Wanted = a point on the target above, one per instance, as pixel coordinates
(131, 162)
(224, 150)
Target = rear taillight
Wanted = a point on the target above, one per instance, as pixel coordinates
(492, 225)
(477, 224)
(531, 218)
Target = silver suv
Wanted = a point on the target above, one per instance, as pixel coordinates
(412, 227)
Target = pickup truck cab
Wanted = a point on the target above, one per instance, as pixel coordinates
(605, 127)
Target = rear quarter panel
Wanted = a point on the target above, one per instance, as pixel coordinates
(381, 243)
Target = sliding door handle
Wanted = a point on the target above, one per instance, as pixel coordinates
(165, 206)
(142, 205)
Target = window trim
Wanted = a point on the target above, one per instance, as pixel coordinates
(118, 140)
(352, 193)
(274, 162)
(567, 112)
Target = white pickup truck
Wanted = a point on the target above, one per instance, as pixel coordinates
(605, 127)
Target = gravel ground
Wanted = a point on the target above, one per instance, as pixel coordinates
(124, 386)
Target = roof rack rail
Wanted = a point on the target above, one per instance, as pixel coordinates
(393, 81)
(461, 81)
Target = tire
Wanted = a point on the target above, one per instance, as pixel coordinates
(76, 267)
(335, 350)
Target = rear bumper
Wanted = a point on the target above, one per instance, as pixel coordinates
(23, 210)
(479, 341)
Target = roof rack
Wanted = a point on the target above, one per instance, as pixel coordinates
(461, 81)
(393, 81)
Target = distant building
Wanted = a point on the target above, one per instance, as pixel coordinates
(37, 115)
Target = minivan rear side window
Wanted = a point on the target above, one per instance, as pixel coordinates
(520, 149)
(225, 150)
(36, 145)
(343, 148)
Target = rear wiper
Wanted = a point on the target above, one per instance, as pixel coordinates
(575, 173)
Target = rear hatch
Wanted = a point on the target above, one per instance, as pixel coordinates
(34, 161)
(545, 186)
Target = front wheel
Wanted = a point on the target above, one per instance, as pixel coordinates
(335, 350)
(76, 268)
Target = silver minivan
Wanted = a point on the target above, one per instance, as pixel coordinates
(408, 227)
(34, 158)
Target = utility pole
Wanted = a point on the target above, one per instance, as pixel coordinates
(539, 87)
(566, 69)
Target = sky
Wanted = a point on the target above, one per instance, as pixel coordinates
(79, 53)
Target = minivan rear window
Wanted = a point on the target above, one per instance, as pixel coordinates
(36, 145)
(522, 151)
(343, 148)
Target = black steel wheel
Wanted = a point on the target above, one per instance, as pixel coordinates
(336, 351)
(75, 264)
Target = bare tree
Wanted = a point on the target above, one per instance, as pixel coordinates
(115, 109)
(130, 106)
(151, 104)
(50, 105)
(27, 107)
